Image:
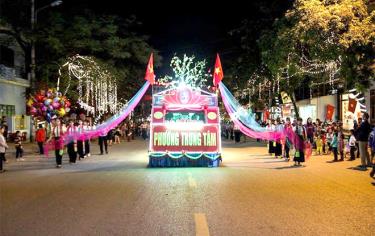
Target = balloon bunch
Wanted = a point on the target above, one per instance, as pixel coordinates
(47, 103)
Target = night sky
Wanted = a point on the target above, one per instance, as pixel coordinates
(185, 26)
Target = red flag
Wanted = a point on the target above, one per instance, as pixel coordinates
(218, 72)
(330, 111)
(352, 105)
(150, 76)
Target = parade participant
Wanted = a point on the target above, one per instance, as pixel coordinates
(80, 141)
(352, 142)
(72, 145)
(300, 130)
(271, 127)
(56, 135)
(40, 138)
(103, 142)
(3, 147)
(277, 144)
(18, 146)
(87, 127)
(287, 143)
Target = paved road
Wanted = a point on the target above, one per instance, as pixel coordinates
(251, 194)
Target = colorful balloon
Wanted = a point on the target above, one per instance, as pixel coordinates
(47, 102)
(55, 105)
(61, 112)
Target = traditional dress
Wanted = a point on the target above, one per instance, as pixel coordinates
(301, 133)
(72, 145)
(57, 134)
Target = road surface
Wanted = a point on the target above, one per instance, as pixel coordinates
(252, 193)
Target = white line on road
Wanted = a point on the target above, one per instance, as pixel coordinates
(201, 227)
(192, 182)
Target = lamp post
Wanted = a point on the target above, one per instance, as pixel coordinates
(34, 15)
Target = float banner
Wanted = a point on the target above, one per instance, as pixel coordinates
(205, 140)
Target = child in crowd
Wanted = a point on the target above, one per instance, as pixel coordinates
(352, 141)
(319, 144)
(334, 145)
(329, 137)
(324, 142)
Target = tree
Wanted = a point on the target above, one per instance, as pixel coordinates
(108, 38)
(320, 33)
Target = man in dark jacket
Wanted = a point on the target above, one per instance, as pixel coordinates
(364, 131)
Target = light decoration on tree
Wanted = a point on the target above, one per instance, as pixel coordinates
(97, 88)
(186, 71)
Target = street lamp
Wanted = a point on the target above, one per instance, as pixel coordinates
(34, 15)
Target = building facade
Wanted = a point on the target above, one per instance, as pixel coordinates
(13, 84)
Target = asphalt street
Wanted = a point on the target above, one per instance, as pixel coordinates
(251, 193)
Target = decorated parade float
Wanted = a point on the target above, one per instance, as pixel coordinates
(185, 121)
(185, 128)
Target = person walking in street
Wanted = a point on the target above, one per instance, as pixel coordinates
(287, 143)
(80, 141)
(57, 137)
(41, 138)
(271, 148)
(72, 144)
(18, 146)
(103, 142)
(3, 147)
(363, 135)
(300, 130)
(87, 127)
(278, 148)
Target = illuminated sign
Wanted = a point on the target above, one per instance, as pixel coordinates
(205, 140)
